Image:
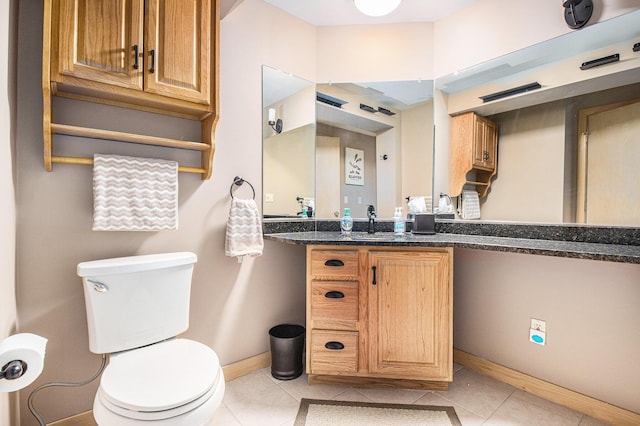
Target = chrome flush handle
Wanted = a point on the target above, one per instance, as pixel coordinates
(99, 286)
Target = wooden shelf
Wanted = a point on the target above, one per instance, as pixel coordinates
(89, 162)
(87, 132)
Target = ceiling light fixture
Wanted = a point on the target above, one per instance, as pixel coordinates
(376, 7)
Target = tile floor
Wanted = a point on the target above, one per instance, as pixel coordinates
(259, 399)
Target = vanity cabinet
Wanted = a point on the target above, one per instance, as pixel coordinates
(159, 56)
(473, 153)
(380, 316)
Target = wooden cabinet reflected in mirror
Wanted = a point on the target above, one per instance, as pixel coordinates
(545, 172)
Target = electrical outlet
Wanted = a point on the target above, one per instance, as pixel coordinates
(268, 198)
(539, 325)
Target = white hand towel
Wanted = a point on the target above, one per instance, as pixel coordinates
(470, 205)
(244, 230)
(134, 194)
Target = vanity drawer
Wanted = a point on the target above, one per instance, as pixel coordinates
(334, 304)
(334, 263)
(334, 352)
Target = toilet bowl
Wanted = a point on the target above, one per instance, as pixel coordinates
(136, 306)
(177, 382)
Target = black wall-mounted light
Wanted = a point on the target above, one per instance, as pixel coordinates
(276, 124)
(577, 12)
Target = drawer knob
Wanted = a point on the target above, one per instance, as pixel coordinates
(334, 262)
(334, 346)
(334, 295)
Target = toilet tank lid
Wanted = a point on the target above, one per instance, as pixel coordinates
(124, 265)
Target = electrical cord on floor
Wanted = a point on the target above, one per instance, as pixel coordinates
(63, 384)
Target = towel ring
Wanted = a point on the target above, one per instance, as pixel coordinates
(238, 181)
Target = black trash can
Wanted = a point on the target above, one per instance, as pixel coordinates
(287, 344)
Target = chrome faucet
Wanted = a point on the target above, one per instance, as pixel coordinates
(371, 214)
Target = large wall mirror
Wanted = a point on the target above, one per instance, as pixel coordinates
(345, 145)
(288, 144)
(568, 152)
(374, 146)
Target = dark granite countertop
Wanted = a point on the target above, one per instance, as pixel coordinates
(614, 244)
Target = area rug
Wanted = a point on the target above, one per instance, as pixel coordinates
(315, 412)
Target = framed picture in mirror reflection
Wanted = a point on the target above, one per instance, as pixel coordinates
(353, 166)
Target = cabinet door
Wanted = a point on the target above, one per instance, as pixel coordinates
(98, 39)
(410, 315)
(491, 144)
(479, 148)
(485, 140)
(177, 44)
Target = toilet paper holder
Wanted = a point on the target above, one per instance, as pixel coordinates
(13, 370)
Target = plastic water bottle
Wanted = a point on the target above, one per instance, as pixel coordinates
(398, 222)
(346, 223)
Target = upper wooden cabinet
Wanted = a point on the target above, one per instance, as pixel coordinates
(159, 56)
(159, 47)
(473, 153)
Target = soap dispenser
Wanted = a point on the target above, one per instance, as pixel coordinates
(346, 223)
(398, 222)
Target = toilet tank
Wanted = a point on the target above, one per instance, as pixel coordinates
(138, 300)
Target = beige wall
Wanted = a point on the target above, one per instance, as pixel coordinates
(375, 52)
(8, 317)
(290, 159)
(417, 150)
(233, 305)
(366, 193)
(528, 186)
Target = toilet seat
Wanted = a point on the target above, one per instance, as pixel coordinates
(155, 382)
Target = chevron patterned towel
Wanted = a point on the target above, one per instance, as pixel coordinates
(134, 194)
(244, 229)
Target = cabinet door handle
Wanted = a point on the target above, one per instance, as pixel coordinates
(152, 52)
(334, 262)
(136, 52)
(334, 295)
(334, 346)
(374, 282)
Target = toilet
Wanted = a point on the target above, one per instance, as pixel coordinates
(136, 306)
